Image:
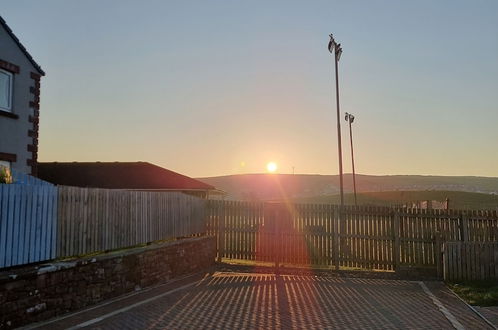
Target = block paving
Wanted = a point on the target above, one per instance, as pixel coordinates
(228, 300)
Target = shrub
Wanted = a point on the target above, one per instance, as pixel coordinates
(5, 175)
(480, 293)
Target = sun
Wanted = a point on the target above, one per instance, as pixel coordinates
(271, 167)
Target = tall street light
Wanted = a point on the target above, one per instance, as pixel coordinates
(336, 49)
(350, 118)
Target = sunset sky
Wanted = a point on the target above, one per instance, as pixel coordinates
(223, 87)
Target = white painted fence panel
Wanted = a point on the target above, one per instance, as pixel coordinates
(28, 215)
(23, 178)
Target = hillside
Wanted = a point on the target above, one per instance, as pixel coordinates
(457, 199)
(281, 186)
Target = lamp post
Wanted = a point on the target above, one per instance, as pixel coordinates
(336, 49)
(350, 118)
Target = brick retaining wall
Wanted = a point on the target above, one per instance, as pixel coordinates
(31, 294)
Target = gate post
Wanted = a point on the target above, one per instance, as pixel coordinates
(396, 245)
(337, 237)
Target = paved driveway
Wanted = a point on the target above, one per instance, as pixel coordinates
(254, 300)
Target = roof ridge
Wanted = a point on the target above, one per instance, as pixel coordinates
(139, 175)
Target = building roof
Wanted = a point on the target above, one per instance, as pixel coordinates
(23, 49)
(118, 175)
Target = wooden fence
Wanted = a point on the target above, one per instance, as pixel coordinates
(28, 215)
(354, 237)
(92, 220)
(40, 222)
(470, 261)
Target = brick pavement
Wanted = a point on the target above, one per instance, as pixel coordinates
(255, 300)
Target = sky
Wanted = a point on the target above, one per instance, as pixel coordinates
(210, 88)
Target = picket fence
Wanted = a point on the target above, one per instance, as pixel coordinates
(349, 237)
(40, 222)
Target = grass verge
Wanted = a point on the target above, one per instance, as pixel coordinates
(478, 293)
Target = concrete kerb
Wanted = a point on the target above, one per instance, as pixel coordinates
(474, 310)
(303, 271)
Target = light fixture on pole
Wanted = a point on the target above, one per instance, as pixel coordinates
(336, 49)
(350, 118)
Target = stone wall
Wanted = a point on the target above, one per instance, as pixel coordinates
(31, 294)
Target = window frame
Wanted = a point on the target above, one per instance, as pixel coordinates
(11, 92)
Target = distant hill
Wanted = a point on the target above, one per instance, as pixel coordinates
(281, 186)
(457, 199)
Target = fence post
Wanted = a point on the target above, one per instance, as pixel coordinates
(495, 258)
(221, 232)
(396, 245)
(439, 255)
(277, 234)
(464, 225)
(337, 217)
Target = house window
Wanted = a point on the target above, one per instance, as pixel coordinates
(6, 90)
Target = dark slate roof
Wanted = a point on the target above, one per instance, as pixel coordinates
(117, 175)
(23, 49)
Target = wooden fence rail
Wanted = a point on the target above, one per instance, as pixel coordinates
(470, 261)
(355, 237)
(91, 220)
(28, 215)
